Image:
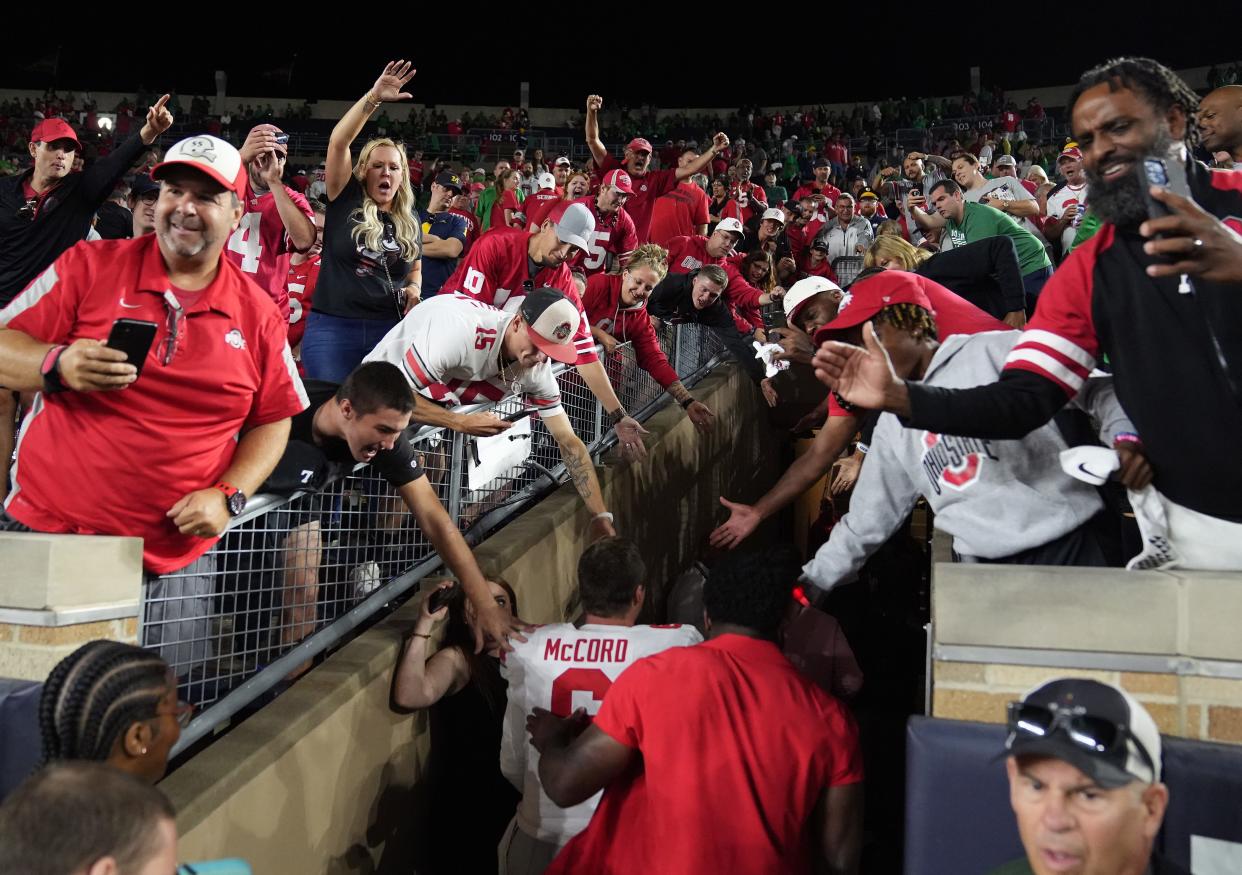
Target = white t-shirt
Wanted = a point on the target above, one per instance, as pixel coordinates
(1005, 188)
(1059, 201)
(562, 668)
(448, 347)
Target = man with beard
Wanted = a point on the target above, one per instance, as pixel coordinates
(914, 188)
(1220, 124)
(1161, 298)
(648, 184)
(171, 458)
(613, 239)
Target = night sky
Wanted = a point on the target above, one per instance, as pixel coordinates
(685, 71)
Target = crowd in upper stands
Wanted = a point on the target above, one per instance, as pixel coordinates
(1035, 338)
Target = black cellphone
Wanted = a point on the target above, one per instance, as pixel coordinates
(441, 597)
(134, 338)
(1170, 174)
(518, 414)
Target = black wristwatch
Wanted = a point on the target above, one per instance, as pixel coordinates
(686, 402)
(50, 370)
(234, 498)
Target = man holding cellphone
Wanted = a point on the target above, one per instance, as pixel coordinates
(163, 459)
(1160, 297)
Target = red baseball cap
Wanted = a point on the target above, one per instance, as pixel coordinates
(52, 129)
(868, 297)
(638, 144)
(1070, 151)
(620, 180)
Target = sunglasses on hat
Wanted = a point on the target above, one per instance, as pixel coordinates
(1095, 735)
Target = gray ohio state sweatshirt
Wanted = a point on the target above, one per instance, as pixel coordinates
(995, 497)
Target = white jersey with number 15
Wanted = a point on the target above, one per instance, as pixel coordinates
(562, 668)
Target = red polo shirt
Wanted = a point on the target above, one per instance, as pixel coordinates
(736, 747)
(114, 463)
(647, 188)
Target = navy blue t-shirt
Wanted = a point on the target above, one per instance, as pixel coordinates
(446, 226)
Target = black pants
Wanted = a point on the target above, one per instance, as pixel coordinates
(1091, 544)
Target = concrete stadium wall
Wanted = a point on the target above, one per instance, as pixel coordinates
(327, 779)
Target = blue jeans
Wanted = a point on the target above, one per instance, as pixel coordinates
(1032, 285)
(334, 345)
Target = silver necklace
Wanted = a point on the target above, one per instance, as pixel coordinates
(515, 385)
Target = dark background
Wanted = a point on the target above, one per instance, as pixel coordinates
(651, 63)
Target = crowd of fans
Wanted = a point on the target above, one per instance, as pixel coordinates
(994, 327)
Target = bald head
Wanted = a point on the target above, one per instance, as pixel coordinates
(1220, 120)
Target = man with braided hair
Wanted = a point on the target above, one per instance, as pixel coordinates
(616, 305)
(1160, 298)
(114, 703)
(1002, 501)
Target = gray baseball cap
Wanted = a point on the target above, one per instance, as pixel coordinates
(575, 226)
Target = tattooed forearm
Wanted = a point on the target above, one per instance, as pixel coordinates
(679, 392)
(582, 473)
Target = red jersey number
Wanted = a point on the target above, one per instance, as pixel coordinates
(484, 337)
(578, 680)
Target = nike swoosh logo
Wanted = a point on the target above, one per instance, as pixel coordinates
(1082, 466)
(130, 306)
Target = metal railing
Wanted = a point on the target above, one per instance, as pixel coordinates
(292, 578)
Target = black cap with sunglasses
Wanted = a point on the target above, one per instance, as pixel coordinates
(1100, 730)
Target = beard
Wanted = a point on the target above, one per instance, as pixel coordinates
(183, 248)
(1124, 203)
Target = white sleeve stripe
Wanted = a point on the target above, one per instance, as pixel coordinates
(291, 368)
(34, 293)
(1065, 347)
(1048, 365)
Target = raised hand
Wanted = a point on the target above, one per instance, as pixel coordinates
(159, 119)
(594, 103)
(396, 76)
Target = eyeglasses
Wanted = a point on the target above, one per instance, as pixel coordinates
(28, 210)
(1096, 735)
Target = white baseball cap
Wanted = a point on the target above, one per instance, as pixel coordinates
(546, 180)
(217, 158)
(732, 224)
(551, 319)
(775, 214)
(802, 291)
(576, 225)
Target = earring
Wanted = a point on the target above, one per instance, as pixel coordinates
(143, 752)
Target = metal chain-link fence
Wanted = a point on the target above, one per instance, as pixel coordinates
(291, 578)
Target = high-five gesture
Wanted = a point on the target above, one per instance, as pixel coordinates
(159, 119)
(388, 86)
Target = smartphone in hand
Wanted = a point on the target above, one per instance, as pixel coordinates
(1167, 173)
(441, 597)
(134, 338)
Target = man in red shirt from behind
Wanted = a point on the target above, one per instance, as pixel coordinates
(300, 282)
(681, 212)
(276, 219)
(719, 757)
(648, 184)
(614, 238)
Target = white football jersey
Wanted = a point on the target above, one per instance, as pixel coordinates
(1059, 201)
(449, 349)
(562, 668)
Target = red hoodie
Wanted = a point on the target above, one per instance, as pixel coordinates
(604, 310)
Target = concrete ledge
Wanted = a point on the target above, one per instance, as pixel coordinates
(42, 572)
(1166, 637)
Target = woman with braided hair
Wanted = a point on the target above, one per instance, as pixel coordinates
(113, 703)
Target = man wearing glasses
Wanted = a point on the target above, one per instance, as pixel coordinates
(162, 459)
(1084, 782)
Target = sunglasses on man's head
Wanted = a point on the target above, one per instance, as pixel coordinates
(1096, 735)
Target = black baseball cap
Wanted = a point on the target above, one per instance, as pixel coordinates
(1099, 729)
(141, 183)
(449, 179)
(822, 162)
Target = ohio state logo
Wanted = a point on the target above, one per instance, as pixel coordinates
(954, 461)
(561, 332)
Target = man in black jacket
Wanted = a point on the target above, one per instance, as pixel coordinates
(47, 209)
(1160, 297)
(695, 297)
